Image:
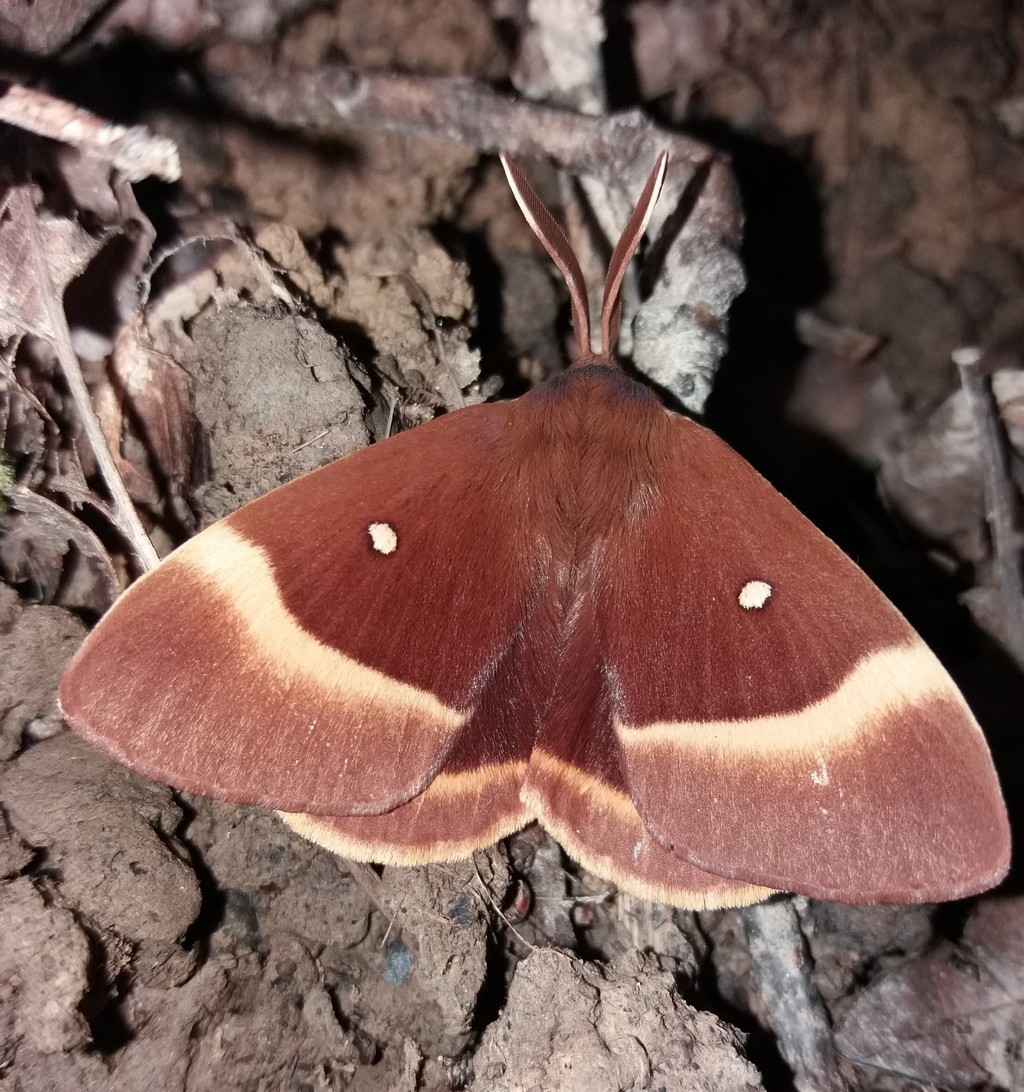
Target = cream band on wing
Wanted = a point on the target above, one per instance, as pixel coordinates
(549, 768)
(879, 685)
(482, 805)
(242, 572)
(607, 836)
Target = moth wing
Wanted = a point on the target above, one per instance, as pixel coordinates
(575, 785)
(779, 721)
(323, 648)
(474, 799)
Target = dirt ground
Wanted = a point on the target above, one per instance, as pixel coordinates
(340, 259)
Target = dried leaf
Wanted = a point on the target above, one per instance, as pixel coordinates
(934, 477)
(953, 1017)
(107, 298)
(153, 394)
(44, 26)
(23, 426)
(98, 304)
(6, 479)
(46, 547)
(29, 281)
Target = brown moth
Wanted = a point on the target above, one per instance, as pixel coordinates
(598, 616)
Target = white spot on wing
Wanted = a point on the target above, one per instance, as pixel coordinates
(754, 594)
(287, 653)
(820, 775)
(383, 538)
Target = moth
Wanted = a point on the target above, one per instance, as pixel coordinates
(576, 607)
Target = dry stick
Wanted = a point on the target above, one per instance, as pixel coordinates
(134, 151)
(782, 969)
(124, 515)
(1001, 499)
(332, 100)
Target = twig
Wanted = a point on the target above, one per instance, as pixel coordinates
(319, 436)
(126, 519)
(782, 968)
(332, 100)
(368, 881)
(1001, 500)
(497, 909)
(134, 151)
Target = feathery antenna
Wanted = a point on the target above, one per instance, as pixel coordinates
(611, 308)
(556, 243)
